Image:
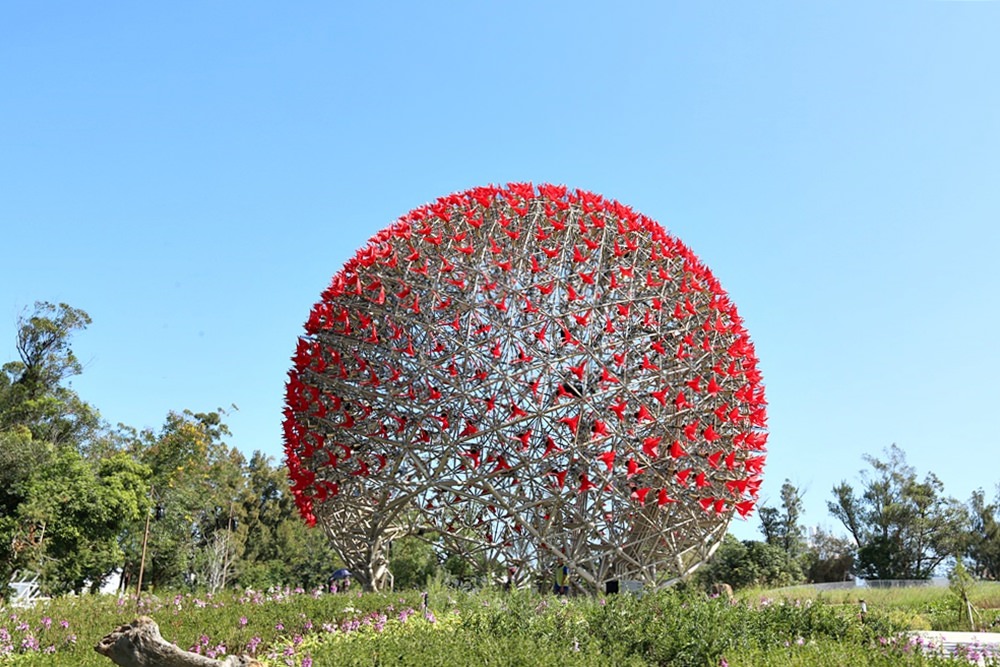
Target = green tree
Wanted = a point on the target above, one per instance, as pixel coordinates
(78, 511)
(749, 563)
(263, 508)
(32, 393)
(781, 527)
(223, 520)
(412, 560)
(904, 528)
(20, 459)
(279, 548)
(41, 420)
(984, 540)
(960, 583)
(75, 494)
(195, 478)
(828, 558)
(310, 560)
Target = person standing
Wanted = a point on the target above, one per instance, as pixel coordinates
(562, 580)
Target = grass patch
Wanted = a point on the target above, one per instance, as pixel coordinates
(298, 629)
(916, 607)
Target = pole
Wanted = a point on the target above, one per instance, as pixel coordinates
(229, 537)
(142, 559)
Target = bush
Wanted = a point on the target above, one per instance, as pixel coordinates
(296, 628)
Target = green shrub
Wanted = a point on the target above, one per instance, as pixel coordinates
(283, 627)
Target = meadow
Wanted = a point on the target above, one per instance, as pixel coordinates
(299, 628)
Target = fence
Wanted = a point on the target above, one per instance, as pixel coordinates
(26, 591)
(871, 583)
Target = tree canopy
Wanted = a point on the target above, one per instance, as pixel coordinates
(904, 527)
(75, 493)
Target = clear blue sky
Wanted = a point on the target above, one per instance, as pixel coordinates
(192, 174)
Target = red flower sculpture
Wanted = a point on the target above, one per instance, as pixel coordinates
(511, 372)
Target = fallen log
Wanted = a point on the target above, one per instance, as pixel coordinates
(139, 644)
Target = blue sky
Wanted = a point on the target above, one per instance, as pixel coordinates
(193, 174)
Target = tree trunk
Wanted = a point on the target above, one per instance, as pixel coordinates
(139, 644)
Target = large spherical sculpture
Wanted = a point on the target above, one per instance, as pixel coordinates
(531, 378)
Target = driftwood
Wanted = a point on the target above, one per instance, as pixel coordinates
(139, 644)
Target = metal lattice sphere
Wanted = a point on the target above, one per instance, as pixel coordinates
(532, 378)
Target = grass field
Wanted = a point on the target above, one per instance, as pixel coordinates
(303, 629)
(921, 607)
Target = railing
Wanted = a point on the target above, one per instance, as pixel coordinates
(902, 583)
(26, 590)
(871, 583)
